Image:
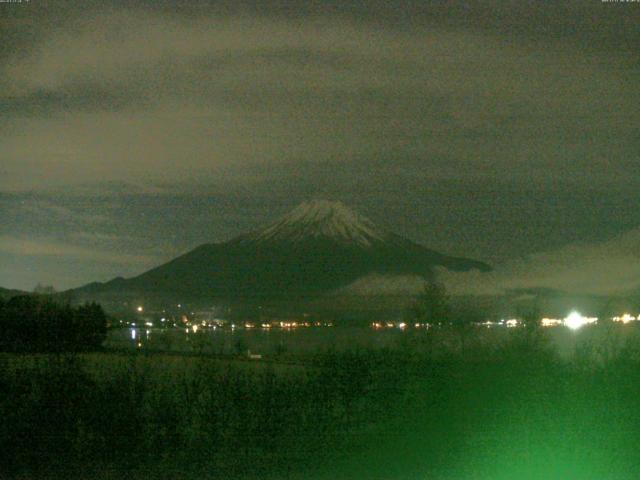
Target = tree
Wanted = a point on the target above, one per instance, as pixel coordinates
(38, 323)
(530, 314)
(532, 339)
(90, 324)
(41, 289)
(607, 311)
(468, 313)
(432, 305)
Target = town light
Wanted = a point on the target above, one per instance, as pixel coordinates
(574, 320)
(626, 318)
(550, 322)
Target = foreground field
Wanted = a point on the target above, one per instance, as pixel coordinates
(475, 410)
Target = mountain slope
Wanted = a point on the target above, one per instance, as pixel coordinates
(320, 246)
(8, 293)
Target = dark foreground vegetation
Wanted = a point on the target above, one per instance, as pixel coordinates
(508, 409)
(37, 323)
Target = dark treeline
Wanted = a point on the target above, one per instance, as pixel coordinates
(37, 323)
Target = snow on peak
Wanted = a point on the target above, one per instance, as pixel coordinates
(323, 219)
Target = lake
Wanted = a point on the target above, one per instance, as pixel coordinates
(270, 342)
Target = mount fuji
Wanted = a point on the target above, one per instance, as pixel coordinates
(317, 248)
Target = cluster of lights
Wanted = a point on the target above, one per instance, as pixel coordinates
(551, 322)
(490, 324)
(290, 324)
(510, 323)
(626, 318)
(251, 325)
(189, 324)
(575, 320)
(400, 325)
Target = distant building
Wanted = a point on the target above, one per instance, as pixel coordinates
(208, 318)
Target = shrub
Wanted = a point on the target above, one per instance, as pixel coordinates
(38, 324)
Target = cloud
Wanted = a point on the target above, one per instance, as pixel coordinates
(377, 284)
(45, 209)
(50, 248)
(611, 267)
(482, 129)
(152, 98)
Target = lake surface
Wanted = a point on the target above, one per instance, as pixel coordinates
(259, 341)
(270, 342)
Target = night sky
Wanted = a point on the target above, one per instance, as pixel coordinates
(503, 131)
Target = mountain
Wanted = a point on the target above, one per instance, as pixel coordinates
(318, 247)
(6, 293)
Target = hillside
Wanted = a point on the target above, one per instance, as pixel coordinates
(318, 247)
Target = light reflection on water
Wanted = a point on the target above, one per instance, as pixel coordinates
(262, 341)
(271, 342)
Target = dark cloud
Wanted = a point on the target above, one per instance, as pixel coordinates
(492, 129)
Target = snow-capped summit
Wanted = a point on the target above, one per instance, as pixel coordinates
(317, 248)
(322, 219)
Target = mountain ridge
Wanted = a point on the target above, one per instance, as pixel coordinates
(7, 293)
(316, 248)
